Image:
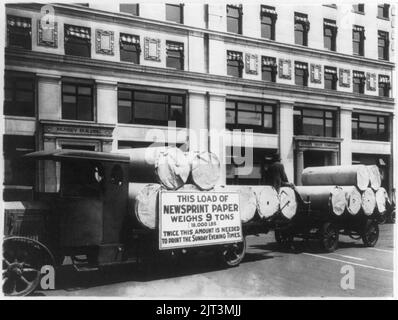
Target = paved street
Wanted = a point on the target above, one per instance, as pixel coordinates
(265, 272)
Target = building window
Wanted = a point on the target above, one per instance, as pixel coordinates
(383, 11)
(384, 86)
(19, 174)
(301, 73)
(19, 94)
(358, 38)
(268, 19)
(383, 45)
(130, 48)
(77, 41)
(175, 55)
(329, 34)
(19, 32)
(358, 80)
(131, 8)
(77, 101)
(369, 127)
(314, 122)
(330, 78)
(301, 28)
(234, 19)
(234, 64)
(247, 115)
(268, 69)
(358, 8)
(175, 12)
(152, 108)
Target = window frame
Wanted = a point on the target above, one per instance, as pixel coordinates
(20, 31)
(384, 87)
(170, 50)
(181, 9)
(273, 69)
(169, 104)
(256, 128)
(300, 131)
(384, 35)
(239, 18)
(77, 85)
(361, 41)
(361, 83)
(239, 63)
(305, 28)
(137, 8)
(359, 8)
(305, 73)
(333, 75)
(136, 44)
(386, 11)
(333, 36)
(356, 119)
(11, 80)
(76, 41)
(271, 16)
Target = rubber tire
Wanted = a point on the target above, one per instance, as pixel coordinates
(370, 234)
(329, 237)
(238, 250)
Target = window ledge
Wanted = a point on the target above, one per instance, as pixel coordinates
(371, 141)
(358, 12)
(12, 117)
(383, 18)
(146, 126)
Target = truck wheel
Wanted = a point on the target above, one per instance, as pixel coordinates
(370, 233)
(23, 259)
(283, 238)
(233, 254)
(329, 237)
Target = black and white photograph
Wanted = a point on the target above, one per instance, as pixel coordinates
(198, 150)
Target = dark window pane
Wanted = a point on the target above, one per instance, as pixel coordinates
(69, 111)
(147, 112)
(19, 95)
(84, 109)
(124, 94)
(233, 68)
(131, 8)
(177, 115)
(129, 53)
(176, 100)
(173, 13)
(124, 114)
(299, 37)
(150, 96)
(233, 20)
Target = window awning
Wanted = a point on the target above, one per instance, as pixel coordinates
(234, 56)
(175, 46)
(330, 70)
(78, 32)
(384, 79)
(357, 74)
(18, 22)
(300, 65)
(331, 24)
(359, 29)
(268, 11)
(129, 39)
(268, 62)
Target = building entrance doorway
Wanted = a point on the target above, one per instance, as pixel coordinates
(317, 158)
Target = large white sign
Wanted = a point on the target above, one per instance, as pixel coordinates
(189, 219)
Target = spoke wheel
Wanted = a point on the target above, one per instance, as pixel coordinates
(22, 262)
(370, 234)
(329, 237)
(233, 254)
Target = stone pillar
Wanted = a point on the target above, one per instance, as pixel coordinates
(106, 101)
(286, 138)
(334, 158)
(198, 123)
(299, 166)
(49, 97)
(217, 130)
(346, 135)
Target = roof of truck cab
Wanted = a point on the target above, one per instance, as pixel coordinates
(70, 154)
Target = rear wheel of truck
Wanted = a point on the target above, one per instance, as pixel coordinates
(233, 254)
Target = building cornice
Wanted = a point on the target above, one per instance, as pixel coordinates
(15, 58)
(136, 21)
